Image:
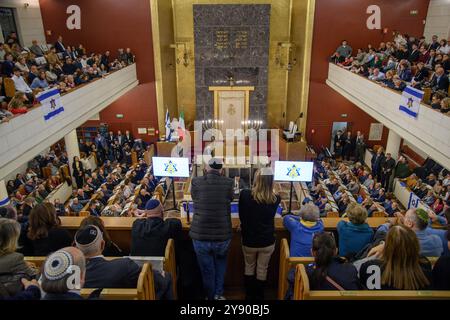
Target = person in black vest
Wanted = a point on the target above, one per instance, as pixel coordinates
(149, 235)
(377, 163)
(116, 273)
(386, 171)
(211, 229)
(257, 209)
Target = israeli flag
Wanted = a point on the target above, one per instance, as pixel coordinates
(411, 99)
(51, 103)
(168, 128)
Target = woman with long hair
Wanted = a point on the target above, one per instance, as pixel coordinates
(12, 264)
(399, 264)
(330, 272)
(257, 209)
(44, 232)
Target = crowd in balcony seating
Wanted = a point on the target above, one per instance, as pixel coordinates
(404, 61)
(40, 67)
(43, 175)
(434, 191)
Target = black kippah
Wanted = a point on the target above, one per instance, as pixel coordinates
(87, 235)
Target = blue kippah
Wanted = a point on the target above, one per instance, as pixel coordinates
(151, 204)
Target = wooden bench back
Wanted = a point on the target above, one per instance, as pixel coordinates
(286, 262)
(302, 291)
(170, 266)
(10, 88)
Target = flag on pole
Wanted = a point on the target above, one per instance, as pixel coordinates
(51, 103)
(410, 103)
(181, 126)
(168, 129)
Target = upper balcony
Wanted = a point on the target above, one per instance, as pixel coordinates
(24, 136)
(430, 131)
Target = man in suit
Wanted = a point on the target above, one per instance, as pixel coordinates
(339, 140)
(386, 171)
(117, 273)
(110, 138)
(360, 147)
(348, 147)
(129, 138)
(120, 138)
(59, 45)
(440, 80)
(415, 54)
(377, 162)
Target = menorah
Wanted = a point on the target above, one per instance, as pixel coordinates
(252, 124)
(212, 124)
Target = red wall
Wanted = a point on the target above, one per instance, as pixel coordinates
(346, 19)
(109, 25)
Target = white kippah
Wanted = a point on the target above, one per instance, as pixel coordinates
(57, 265)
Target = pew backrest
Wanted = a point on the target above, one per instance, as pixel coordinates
(302, 291)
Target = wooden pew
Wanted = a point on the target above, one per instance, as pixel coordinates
(169, 265)
(10, 88)
(302, 292)
(145, 289)
(287, 262)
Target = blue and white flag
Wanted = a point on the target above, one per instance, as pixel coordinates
(168, 128)
(51, 103)
(411, 99)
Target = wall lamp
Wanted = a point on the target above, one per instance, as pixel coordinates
(286, 55)
(182, 53)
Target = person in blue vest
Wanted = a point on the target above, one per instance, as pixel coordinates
(302, 229)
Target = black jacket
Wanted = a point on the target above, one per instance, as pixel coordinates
(441, 84)
(212, 195)
(117, 273)
(149, 236)
(57, 239)
(257, 221)
(441, 274)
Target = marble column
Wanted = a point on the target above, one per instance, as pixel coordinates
(4, 199)
(393, 144)
(72, 147)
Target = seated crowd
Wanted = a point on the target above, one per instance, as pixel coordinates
(400, 248)
(43, 175)
(405, 61)
(40, 67)
(433, 191)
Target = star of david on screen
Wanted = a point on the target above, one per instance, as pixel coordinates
(170, 167)
(293, 171)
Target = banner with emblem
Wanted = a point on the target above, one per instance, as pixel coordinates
(51, 103)
(410, 103)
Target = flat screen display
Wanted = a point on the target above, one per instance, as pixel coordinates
(293, 171)
(170, 167)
